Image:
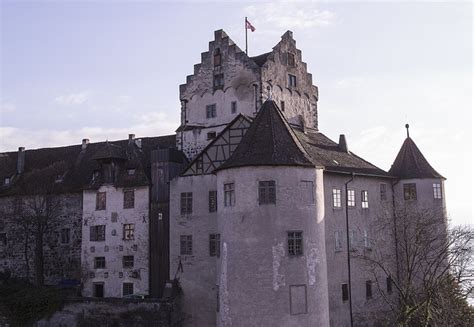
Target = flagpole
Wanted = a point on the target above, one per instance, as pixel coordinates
(246, 44)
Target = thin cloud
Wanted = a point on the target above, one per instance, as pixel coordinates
(72, 98)
(7, 107)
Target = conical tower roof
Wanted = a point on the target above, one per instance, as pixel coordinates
(270, 141)
(410, 163)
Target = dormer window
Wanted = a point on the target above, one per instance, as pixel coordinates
(131, 171)
(217, 57)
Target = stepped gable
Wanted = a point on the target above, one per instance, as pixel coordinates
(75, 166)
(410, 163)
(269, 141)
(328, 154)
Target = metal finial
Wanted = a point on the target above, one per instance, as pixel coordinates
(408, 131)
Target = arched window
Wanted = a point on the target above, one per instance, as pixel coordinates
(217, 57)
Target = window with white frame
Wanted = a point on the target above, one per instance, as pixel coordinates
(351, 202)
(128, 231)
(364, 199)
(229, 195)
(336, 198)
(437, 191)
(338, 241)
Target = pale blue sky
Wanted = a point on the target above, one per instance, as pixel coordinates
(103, 69)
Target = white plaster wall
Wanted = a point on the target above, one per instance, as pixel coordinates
(117, 247)
(424, 191)
(255, 271)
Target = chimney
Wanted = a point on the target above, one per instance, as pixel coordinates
(84, 143)
(343, 143)
(20, 165)
(131, 137)
(138, 142)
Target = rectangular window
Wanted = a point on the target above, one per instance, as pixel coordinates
(437, 191)
(218, 304)
(291, 59)
(266, 192)
(212, 201)
(336, 198)
(229, 195)
(291, 80)
(351, 202)
(233, 107)
(218, 81)
(367, 241)
(282, 105)
(383, 192)
(97, 233)
(211, 111)
(389, 285)
(127, 261)
(128, 232)
(215, 245)
(298, 298)
(352, 240)
(98, 289)
(128, 199)
(345, 292)
(99, 262)
(368, 289)
(307, 192)
(3, 239)
(211, 136)
(409, 191)
(338, 241)
(295, 243)
(365, 199)
(65, 235)
(186, 203)
(100, 201)
(127, 289)
(186, 244)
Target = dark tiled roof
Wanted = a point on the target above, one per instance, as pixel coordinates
(110, 151)
(76, 166)
(410, 163)
(261, 59)
(269, 141)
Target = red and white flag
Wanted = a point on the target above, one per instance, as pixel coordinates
(249, 26)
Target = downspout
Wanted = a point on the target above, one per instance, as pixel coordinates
(348, 249)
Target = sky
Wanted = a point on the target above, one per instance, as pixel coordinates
(103, 69)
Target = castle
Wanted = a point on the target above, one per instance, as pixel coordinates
(263, 219)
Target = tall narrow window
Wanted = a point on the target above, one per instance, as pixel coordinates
(307, 192)
(215, 245)
(365, 199)
(383, 192)
(186, 203)
(218, 81)
(127, 289)
(367, 241)
(409, 191)
(389, 285)
(291, 80)
(282, 105)
(217, 57)
(233, 107)
(291, 59)
(100, 201)
(212, 201)
(65, 235)
(211, 111)
(345, 292)
(266, 192)
(368, 289)
(229, 195)
(295, 243)
(352, 240)
(128, 199)
(338, 241)
(186, 244)
(351, 198)
(336, 198)
(128, 231)
(437, 191)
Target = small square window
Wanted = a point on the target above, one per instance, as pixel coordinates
(229, 195)
(266, 192)
(365, 199)
(211, 111)
(127, 261)
(186, 244)
(295, 243)
(383, 192)
(437, 194)
(128, 199)
(186, 203)
(233, 107)
(99, 262)
(409, 191)
(215, 245)
(351, 198)
(128, 232)
(100, 201)
(65, 235)
(212, 201)
(127, 289)
(336, 198)
(97, 233)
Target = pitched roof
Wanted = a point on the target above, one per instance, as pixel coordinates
(269, 141)
(76, 166)
(260, 60)
(410, 163)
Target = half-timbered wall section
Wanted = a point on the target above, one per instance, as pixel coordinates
(220, 149)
